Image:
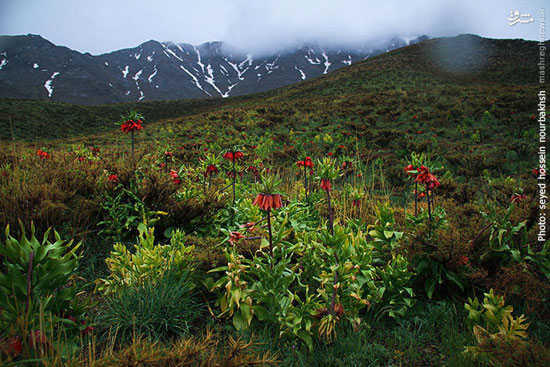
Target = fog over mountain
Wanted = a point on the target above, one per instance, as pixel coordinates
(258, 27)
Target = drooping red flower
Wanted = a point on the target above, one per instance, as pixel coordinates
(42, 154)
(253, 170)
(232, 174)
(175, 177)
(424, 176)
(535, 171)
(268, 201)
(408, 169)
(113, 178)
(346, 165)
(329, 154)
(15, 346)
(250, 226)
(306, 162)
(37, 337)
(235, 236)
(233, 156)
(339, 309)
(130, 125)
(168, 155)
(516, 198)
(326, 184)
(87, 330)
(210, 169)
(464, 260)
(356, 202)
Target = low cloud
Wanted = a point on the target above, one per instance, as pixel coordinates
(258, 26)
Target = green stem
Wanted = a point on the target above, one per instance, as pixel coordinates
(234, 178)
(330, 214)
(269, 231)
(429, 211)
(415, 198)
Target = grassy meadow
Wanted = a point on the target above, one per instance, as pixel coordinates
(382, 215)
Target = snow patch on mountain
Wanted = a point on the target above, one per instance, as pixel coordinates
(35, 66)
(348, 61)
(199, 58)
(326, 63)
(302, 74)
(195, 80)
(167, 49)
(150, 78)
(3, 63)
(48, 84)
(125, 71)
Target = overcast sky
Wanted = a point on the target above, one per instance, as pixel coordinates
(255, 26)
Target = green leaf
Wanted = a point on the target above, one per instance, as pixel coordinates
(430, 287)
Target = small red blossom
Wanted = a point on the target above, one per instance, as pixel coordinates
(326, 184)
(464, 260)
(535, 171)
(408, 169)
(175, 177)
(42, 154)
(516, 198)
(87, 330)
(424, 176)
(250, 226)
(131, 126)
(329, 154)
(233, 156)
(232, 174)
(234, 237)
(15, 346)
(210, 169)
(253, 170)
(306, 162)
(356, 202)
(346, 165)
(113, 178)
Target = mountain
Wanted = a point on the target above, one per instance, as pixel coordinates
(31, 67)
(488, 89)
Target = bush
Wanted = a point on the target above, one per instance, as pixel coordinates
(158, 309)
(148, 263)
(40, 296)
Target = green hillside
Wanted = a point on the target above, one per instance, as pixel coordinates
(385, 214)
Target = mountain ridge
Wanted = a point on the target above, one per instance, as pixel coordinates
(35, 68)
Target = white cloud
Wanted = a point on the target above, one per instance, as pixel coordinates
(257, 25)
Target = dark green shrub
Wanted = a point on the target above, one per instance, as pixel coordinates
(158, 309)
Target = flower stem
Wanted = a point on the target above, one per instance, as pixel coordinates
(330, 214)
(269, 231)
(415, 198)
(429, 211)
(234, 178)
(305, 178)
(133, 156)
(29, 280)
